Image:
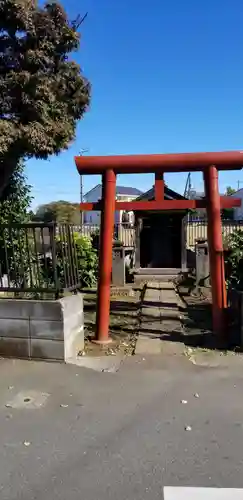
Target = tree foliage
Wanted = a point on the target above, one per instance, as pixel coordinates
(61, 212)
(42, 92)
(14, 209)
(230, 191)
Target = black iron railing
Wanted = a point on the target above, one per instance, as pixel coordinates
(38, 260)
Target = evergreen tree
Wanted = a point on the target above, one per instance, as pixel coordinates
(42, 92)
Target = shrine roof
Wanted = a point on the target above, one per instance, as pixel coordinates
(169, 194)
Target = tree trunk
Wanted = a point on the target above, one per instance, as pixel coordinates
(7, 167)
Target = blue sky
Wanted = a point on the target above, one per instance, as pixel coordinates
(166, 77)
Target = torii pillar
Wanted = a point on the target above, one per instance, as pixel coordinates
(105, 256)
(216, 252)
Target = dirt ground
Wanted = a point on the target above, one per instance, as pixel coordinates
(124, 321)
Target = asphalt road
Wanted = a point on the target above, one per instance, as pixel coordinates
(101, 436)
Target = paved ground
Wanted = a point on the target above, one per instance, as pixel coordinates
(120, 435)
(159, 317)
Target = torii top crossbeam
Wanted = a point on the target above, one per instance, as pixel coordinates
(183, 162)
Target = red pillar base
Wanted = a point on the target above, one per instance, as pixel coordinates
(102, 342)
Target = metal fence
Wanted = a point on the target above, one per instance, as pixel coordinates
(37, 260)
(198, 229)
(124, 233)
(195, 229)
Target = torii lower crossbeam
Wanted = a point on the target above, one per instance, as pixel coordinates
(225, 202)
(209, 164)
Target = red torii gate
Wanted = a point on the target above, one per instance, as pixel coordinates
(110, 166)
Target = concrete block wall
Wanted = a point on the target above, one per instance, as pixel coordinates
(39, 329)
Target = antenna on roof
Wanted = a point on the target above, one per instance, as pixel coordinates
(188, 186)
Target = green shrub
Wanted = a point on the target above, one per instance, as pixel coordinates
(234, 260)
(84, 258)
(87, 259)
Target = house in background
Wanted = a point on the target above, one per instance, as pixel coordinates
(226, 213)
(238, 211)
(123, 193)
(201, 213)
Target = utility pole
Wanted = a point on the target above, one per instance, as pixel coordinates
(238, 184)
(81, 189)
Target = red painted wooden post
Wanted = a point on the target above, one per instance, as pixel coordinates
(216, 254)
(159, 187)
(105, 257)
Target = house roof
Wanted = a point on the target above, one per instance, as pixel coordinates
(236, 192)
(125, 190)
(168, 193)
(128, 190)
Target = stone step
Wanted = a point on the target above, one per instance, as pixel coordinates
(170, 313)
(149, 327)
(160, 285)
(160, 312)
(158, 271)
(144, 278)
(152, 312)
(161, 328)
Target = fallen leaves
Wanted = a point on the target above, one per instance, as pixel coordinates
(188, 428)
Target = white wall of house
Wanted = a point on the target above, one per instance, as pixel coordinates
(118, 214)
(94, 217)
(93, 196)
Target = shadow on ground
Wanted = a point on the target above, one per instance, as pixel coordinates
(196, 328)
(116, 306)
(124, 317)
